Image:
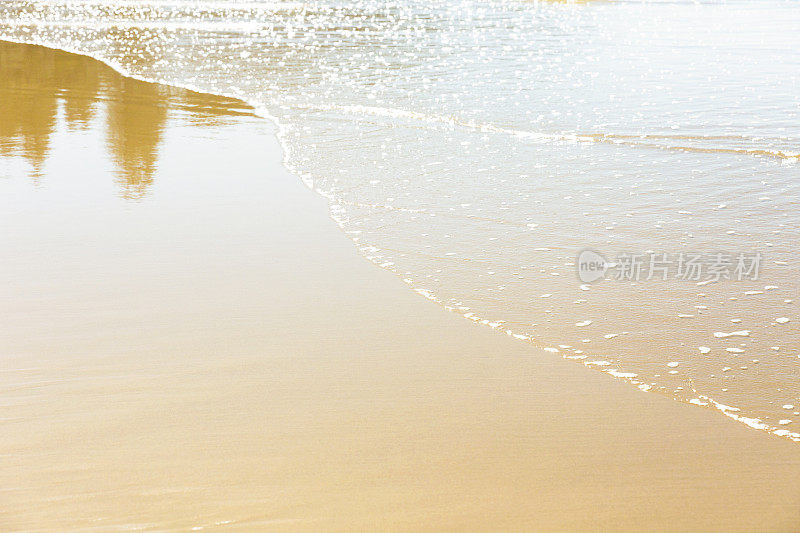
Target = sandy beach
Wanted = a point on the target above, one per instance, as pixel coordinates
(189, 342)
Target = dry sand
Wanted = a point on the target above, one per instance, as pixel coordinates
(188, 341)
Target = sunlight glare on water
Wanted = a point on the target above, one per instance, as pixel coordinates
(475, 148)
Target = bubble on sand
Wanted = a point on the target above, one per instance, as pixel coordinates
(618, 374)
(722, 335)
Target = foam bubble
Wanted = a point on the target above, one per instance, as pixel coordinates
(618, 374)
(722, 335)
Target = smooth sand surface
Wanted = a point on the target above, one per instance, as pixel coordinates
(188, 341)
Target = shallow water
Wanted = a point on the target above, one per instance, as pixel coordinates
(476, 148)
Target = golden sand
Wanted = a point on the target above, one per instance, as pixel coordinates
(188, 341)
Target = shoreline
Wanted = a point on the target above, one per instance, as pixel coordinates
(702, 401)
(296, 369)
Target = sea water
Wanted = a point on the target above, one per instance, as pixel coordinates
(617, 183)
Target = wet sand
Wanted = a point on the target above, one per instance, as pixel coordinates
(189, 341)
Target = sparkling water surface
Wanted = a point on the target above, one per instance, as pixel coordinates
(476, 147)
